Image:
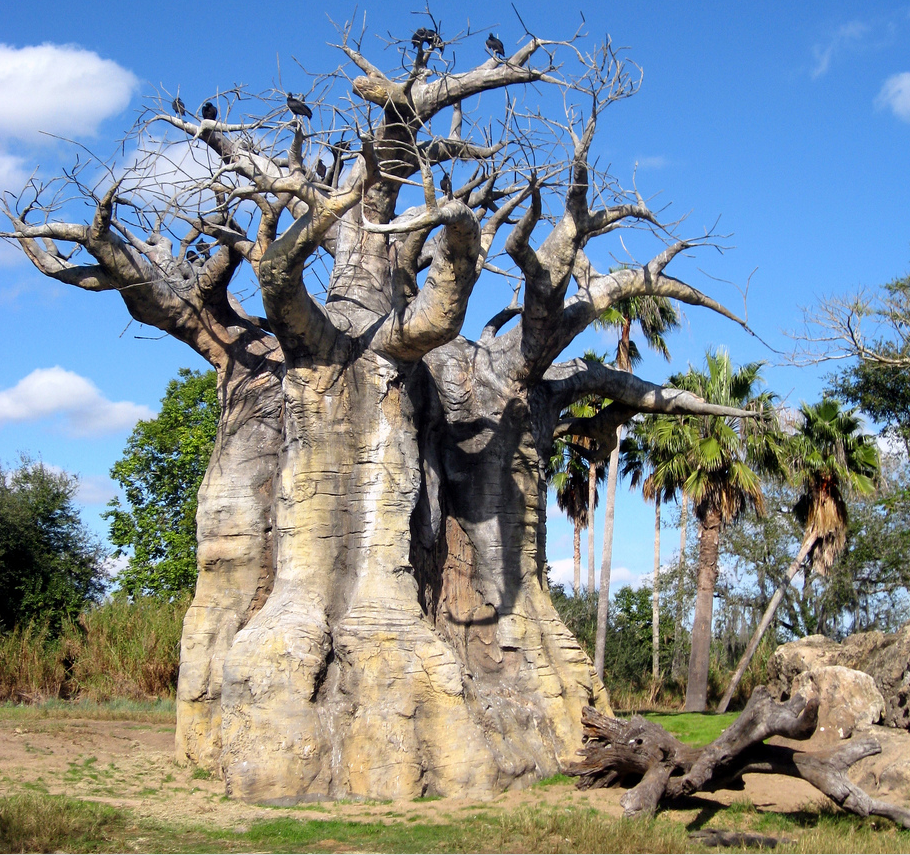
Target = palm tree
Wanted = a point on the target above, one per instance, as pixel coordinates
(568, 473)
(575, 473)
(828, 456)
(588, 407)
(724, 459)
(653, 454)
(655, 317)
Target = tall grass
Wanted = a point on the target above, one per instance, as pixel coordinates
(127, 649)
(32, 665)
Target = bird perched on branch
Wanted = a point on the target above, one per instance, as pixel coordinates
(209, 111)
(179, 106)
(495, 46)
(428, 36)
(298, 106)
(446, 185)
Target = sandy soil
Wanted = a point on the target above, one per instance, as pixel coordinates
(131, 765)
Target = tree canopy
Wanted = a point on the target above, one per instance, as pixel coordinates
(51, 567)
(161, 471)
(374, 508)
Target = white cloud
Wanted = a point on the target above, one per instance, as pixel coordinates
(50, 392)
(60, 89)
(91, 489)
(562, 571)
(13, 173)
(653, 162)
(95, 490)
(847, 36)
(895, 95)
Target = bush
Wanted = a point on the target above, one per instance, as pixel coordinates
(50, 565)
(121, 649)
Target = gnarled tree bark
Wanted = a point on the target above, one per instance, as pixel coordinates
(665, 768)
(372, 615)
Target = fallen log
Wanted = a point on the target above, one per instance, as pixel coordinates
(616, 749)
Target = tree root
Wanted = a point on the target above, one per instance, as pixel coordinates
(615, 749)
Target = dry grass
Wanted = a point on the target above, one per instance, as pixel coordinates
(119, 650)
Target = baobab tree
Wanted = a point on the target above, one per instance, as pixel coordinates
(372, 615)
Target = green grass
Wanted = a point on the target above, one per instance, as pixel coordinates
(119, 649)
(694, 728)
(162, 711)
(555, 779)
(36, 822)
(33, 822)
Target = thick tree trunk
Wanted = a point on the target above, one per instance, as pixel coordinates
(706, 580)
(234, 556)
(372, 615)
(409, 645)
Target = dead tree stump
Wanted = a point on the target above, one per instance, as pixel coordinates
(665, 768)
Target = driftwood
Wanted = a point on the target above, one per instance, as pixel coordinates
(616, 749)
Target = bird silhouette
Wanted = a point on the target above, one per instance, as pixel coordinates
(320, 170)
(298, 107)
(179, 106)
(209, 111)
(446, 184)
(431, 37)
(495, 46)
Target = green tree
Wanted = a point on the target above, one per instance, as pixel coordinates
(653, 455)
(567, 473)
(574, 470)
(874, 330)
(828, 457)
(655, 316)
(867, 588)
(725, 458)
(50, 565)
(161, 470)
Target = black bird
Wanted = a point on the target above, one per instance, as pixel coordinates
(495, 46)
(298, 107)
(320, 170)
(431, 37)
(446, 184)
(179, 106)
(209, 111)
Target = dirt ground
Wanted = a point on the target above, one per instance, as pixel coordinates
(131, 765)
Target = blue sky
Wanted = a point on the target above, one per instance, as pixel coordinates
(789, 123)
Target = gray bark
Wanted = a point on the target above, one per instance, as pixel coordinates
(372, 615)
(615, 748)
(655, 597)
(706, 580)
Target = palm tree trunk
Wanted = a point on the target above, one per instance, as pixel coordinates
(603, 599)
(592, 493)
(576, 542)
(766, 619)
(676, 666)
(706, 579)
(655, 597)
